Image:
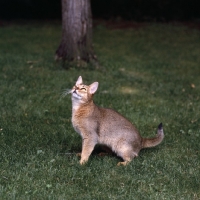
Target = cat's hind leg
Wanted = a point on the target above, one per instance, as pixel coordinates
(127, 155)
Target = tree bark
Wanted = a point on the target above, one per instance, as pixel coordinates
(76, 43)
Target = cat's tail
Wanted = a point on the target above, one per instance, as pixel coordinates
(151, 142)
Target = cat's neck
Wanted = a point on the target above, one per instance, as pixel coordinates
(77, 105)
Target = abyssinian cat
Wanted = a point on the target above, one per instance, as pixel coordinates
(106, 127)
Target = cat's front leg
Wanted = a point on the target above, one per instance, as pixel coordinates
(87, 148)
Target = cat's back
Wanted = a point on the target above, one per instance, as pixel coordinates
(113, 127)
(112, 118)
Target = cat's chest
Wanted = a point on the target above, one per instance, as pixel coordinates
(79, 119)
(76, 123)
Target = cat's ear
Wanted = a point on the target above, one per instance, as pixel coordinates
(79, 81)
(93, 87)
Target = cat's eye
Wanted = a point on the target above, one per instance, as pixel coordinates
(83, 89)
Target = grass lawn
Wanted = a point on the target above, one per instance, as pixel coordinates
(151, 75)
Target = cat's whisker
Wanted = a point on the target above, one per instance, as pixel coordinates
(66, 92)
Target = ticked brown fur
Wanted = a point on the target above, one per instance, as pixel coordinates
(106, 127)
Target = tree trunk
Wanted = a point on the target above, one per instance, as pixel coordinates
(76, 43)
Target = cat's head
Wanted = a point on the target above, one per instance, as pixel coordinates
(83, 93)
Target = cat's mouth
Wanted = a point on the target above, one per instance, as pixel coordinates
(76, 95)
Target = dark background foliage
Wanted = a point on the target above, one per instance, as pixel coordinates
(139, 10)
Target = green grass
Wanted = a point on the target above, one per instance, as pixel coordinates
(148, 77)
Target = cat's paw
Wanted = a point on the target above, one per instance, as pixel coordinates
(123, 163)
(78, 154)
(82, 162)
(103, 154)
